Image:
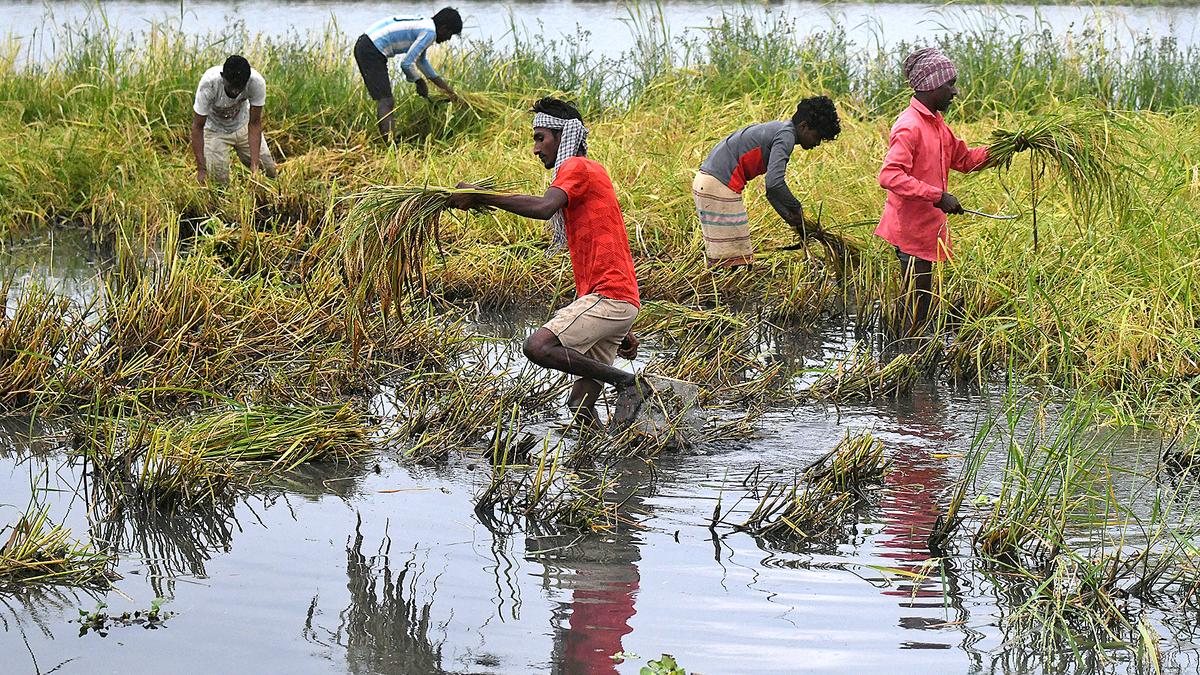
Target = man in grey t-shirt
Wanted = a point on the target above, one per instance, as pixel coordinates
(228, 114)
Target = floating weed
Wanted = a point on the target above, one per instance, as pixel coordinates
(100, 622)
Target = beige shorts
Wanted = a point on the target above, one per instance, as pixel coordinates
(594, 326)
(216, 153)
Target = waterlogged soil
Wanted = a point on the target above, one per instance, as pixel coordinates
(384, 566)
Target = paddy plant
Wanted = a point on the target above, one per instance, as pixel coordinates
(864, 375)
(822, 499)
(384, 239)
(1079, 549)
(547, 496)
(36, 550)
(209, 455)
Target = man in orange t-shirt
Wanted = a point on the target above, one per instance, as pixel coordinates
(585, 337)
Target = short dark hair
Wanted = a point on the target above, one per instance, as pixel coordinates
(448, 21)
(556, 108)
(819, 114)
(236, 70)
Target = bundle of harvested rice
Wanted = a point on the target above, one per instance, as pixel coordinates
(281, 436)
(386, 234)
(839, 249)
(1078, 144)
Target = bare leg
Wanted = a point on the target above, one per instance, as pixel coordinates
(544, 349)
(582, 402)
(917, 280)
(383, 112)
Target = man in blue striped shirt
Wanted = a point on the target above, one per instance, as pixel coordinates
(406, 35)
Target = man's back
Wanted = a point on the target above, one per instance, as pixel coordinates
(397, 34)
(744, 154)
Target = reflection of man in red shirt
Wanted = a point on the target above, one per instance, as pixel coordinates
(602, 576)
(914, 485)
(586, 336)
(604, 590)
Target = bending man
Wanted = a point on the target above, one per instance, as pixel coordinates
(406, 35)
(227, 113)
(746, 154)
(921, 152)
(586, 336)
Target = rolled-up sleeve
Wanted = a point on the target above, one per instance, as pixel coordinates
(778, 193)
(415, 56)
(896, 174)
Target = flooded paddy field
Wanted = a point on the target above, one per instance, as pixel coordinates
(235, 438)
(386, 567)
(387, 564)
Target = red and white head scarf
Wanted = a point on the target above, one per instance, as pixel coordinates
(927, 69)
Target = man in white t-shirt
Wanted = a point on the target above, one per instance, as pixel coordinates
(228, 113)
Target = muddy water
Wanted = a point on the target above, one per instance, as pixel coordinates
(384, 567)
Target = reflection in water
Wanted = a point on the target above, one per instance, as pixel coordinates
(602, 575)
(170, 546)
(911, 505)
(179, 542)
(386, 628)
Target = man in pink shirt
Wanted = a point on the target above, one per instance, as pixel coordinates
(921, 152)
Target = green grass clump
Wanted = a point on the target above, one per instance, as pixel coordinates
(207, 456)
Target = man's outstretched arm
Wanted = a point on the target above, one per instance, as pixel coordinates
(529, 206)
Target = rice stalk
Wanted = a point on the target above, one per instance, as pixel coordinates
(820, 500)
(862, 376)
(209, 455)
(385, 235)
(546, 495)
(37, 550)
(1081, 145)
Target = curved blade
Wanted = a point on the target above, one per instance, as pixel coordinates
(988, 215)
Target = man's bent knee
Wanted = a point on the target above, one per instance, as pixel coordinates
(538, 345)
